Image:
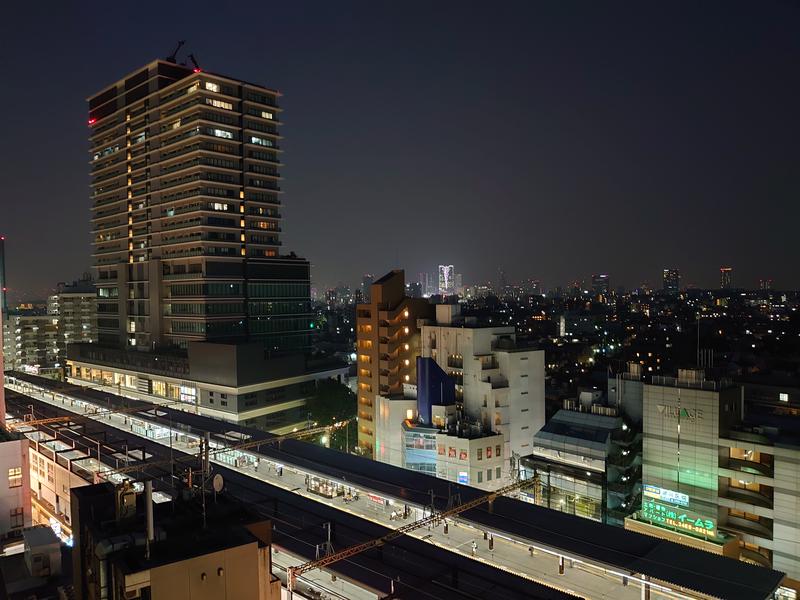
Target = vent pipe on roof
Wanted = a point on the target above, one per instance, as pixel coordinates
(148, 500)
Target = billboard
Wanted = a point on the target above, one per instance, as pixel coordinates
(665, 495)
(672, 517)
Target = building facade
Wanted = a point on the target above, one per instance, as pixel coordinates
(75, 305)
(499, 385)
(447, 274)
(586, 463)
(387, 344)
(671, 281)
(15, 484)
(32, 342)
(720, 469)
(186, 213)
(725, 278)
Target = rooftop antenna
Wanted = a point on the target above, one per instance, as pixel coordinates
(173, 57)
(197, 68)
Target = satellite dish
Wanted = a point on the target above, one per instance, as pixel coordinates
(217, 483)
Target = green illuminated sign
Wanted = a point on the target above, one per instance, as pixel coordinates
(672, 517)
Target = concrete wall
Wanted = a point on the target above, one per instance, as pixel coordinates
(680, 451)
(229, 574)
(786, 511)
(389, 417)
(14, 454)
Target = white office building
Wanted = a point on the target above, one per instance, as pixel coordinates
(500, 385)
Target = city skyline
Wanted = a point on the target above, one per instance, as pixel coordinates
(584, 160)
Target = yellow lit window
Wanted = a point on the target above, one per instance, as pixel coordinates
(15, 477)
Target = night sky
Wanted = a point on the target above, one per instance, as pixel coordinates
(554, 139)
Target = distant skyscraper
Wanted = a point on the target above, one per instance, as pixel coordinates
(366, 283)
(501, 282)
(671, 281)
(600, 285)
(765, 284)
(446, 279)
(459, 284)
(726, 278)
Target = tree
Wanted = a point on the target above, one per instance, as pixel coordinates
(333, 402)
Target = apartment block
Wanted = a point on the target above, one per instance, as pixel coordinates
(387, 346)
(186, 213)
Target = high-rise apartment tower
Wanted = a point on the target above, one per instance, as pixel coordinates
(186, 213)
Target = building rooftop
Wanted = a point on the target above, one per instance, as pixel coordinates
(579, 428)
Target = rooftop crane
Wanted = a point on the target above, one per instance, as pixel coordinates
(294, 572)
(197, 68)
(173, 58)
(215, 451)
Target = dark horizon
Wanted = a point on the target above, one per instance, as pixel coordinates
(553, 141)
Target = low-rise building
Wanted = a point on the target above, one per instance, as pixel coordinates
(497, 383)
(233, 382)
(15, 483)
(585, 463)
(126, 547)
(720, 463)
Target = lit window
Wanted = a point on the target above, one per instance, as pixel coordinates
(212, 87)
(221, 133)
(261, 141)
(219, 206)
(267, 115)
(193, 88)
(783, 397)
(15, 477)
(219, 103)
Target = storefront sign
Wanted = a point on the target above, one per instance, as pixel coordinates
(671, 517)
(463, 477)
(677, 412)
(665, 495)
